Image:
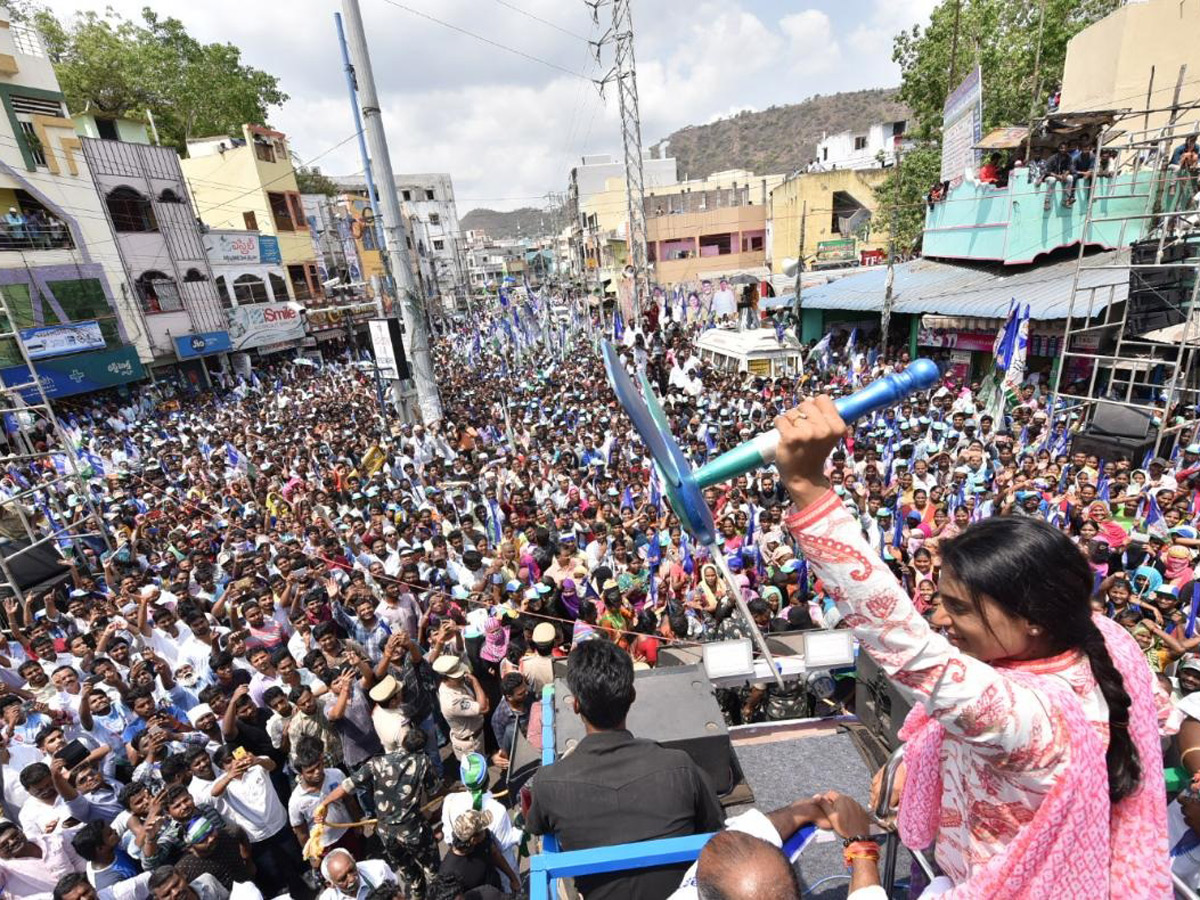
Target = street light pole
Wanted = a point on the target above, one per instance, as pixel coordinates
(412, 307)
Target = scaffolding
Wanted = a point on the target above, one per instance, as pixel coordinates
(42, 473)
(1127, 365)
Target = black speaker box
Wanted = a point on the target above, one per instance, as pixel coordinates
(879, 706)
(676, 707)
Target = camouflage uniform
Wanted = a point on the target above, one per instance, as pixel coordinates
(399, 783)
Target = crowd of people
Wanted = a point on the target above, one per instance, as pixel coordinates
(310, 614)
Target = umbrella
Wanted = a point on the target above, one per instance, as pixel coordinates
(743, 279)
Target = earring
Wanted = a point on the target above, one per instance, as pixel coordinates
(1035, 631)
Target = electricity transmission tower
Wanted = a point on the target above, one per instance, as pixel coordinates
(624, 74)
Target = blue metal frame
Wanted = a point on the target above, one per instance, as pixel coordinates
(551, 864)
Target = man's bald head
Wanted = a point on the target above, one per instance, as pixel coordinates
(737, 866)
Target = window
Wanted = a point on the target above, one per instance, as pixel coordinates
(310, 269)
(250, 289)
(406, 195)
(264, 151)
(439, 245)
(107, 129)
(130, 211)
(251, 221)
(824, 153)
(192, 276)
(278, 286)
(299, 283)
(33, 142)
(860, 143)
(169, 196)
(82, 299)
(435, 219)
(158, 292)
(297, 207)
(281, 211)
(223, 293)
(429, 195)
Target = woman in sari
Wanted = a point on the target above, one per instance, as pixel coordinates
(1033, 762)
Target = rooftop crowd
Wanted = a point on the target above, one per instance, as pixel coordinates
(313, 614)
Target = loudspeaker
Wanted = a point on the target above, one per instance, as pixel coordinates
(33, 567)
(879, 706)
(1111, 420)
(676, 707)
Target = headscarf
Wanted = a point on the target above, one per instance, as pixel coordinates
(1178, 563)
(1153, 580)
(1114, 535)
(474, 775)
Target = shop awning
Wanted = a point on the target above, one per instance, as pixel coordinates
(980, 291)
(759, 272)
(1005, 138)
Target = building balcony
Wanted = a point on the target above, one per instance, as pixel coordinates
(1012, 225)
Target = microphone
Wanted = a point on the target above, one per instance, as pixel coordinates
(759, 451)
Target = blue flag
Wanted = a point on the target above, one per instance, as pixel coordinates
(232, 456)
(627, 498)
(655, 490)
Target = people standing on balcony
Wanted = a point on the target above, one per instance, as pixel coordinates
(1058, 169)
(989, 172)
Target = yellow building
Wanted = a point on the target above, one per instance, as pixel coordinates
(1139, 48)
(829, 201)
(249, 183)
(691, 246)
(366, 240)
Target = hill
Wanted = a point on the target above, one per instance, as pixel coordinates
(525, 222)
(778, 139)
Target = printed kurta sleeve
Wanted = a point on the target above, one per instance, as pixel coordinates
(968, 697)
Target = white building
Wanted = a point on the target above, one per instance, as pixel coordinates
(159, 241)
(60, 270)
(437, 244)
(871, 148)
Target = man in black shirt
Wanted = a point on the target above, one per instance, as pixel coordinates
(614, 788)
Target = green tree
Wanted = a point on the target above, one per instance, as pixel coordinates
(1002, 37)
(312, 181)
(901, 196)
(122, 68)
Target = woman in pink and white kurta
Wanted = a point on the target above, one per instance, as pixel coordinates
(1017, 698)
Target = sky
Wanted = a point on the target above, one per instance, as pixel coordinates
(508, 126)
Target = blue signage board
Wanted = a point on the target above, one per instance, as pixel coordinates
(59, 340)
(192, 346)
(268, 250)
(78, 374)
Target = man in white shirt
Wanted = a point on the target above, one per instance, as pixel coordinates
(45, 811)
(314, 782)
(246, 797)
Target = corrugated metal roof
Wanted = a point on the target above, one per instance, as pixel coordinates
(952, 289)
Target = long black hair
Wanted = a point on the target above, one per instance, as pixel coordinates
(1036, 573)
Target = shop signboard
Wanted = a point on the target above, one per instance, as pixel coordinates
(233, 247)
(268, 250)
(962, 127)
(192, 346)
(258, 324)
(78, 374)
(842, 250)
(58, 340)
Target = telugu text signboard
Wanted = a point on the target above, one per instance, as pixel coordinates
(259, 324)
(962, 128)
(58, 340)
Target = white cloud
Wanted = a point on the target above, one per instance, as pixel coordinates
(508, 127)
(812, 45)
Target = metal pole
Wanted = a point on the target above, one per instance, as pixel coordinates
(1037, 83)
(352, 84)
(800, 271)
(412, 309)
(885, 317)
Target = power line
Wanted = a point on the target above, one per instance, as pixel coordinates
(487, 40)
(547, 22)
